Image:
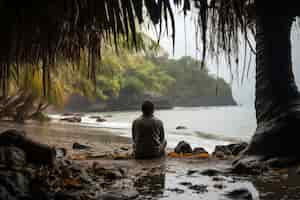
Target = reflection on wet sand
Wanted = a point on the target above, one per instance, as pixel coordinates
(151, 183)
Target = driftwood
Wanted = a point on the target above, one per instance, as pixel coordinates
(20, 107)
(36, 153)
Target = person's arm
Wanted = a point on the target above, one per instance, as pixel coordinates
(162, 133)
(133, 131)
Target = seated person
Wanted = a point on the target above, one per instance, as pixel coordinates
(148, 134)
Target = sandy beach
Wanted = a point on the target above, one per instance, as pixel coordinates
(166, 178)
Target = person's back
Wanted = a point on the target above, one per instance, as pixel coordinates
(148, 134)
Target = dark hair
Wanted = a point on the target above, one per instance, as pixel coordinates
(147, 108)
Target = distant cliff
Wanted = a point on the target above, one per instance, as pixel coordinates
(168, 83)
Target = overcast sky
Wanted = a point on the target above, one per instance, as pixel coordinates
(243, 93)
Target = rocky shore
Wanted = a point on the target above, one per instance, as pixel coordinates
(86, 170)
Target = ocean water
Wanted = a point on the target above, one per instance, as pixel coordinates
(205, 126)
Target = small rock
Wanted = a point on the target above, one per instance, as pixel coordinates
(186, 183)
(124, 148)
(74, 119)
(80, 146)
(210, 172)
(222, 150)
(110, 174)
(199, 188)
(191, 172)
(218, 178)
(101, 120)
(67, 114)
(199, 150)
(177, 190)
(183, 147)
(240, 194)
(98, 118)
(181, 128)
(219, 186)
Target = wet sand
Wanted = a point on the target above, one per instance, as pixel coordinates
(167, 178)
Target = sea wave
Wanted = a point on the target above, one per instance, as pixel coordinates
(217, 137)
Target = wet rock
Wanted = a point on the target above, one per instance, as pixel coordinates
(67, 114)
(218, 178)
(181, 127)
(252, 165)
(199, 188)
(222, 151)
(191, 172)
(183, 147)
(177, 190)
(40, 154)
(12, 157)
(111, 174)
(236, 149)
(124, 148)
(210, 172)
(80, 146)
(219, 186)
(199, 150)
(240, 194)
(186, 183)
(101, 120)
(98, 118)
(74, 119)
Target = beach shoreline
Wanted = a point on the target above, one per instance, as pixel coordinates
(163, 179)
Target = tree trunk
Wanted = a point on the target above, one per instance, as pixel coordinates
(277, 98)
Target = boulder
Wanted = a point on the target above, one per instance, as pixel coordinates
(229, 150)
(199, 150)
(183, 147)
(80, 146)
(250, 165)
(36, 153)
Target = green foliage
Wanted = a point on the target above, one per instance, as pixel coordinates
(41, 117)
(192, 79)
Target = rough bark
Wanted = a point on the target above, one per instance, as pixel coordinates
(277, 98)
